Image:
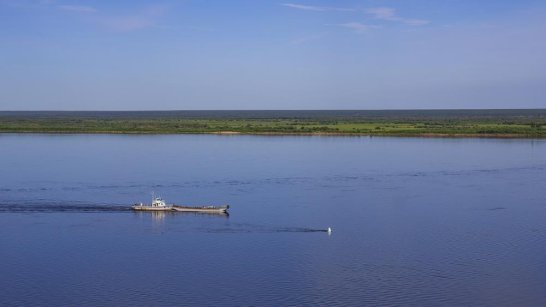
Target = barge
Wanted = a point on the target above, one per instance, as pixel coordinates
(158, 204)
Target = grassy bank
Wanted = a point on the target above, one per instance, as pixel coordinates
(444, 123)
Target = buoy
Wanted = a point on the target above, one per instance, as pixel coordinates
(329, 230)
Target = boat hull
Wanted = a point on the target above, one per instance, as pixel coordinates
(150, 208)
(206, 209)
(175, 208)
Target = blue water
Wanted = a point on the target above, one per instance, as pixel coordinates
(416, 221)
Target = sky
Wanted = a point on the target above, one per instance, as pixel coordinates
(261, 54)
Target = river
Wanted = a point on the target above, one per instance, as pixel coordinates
(416, 221)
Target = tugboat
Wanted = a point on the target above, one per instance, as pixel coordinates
(158, 204)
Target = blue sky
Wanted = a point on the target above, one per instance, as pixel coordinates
(258, 54)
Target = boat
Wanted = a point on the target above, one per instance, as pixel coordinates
(158, 204)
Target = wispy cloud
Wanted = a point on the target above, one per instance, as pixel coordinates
(27, 4)
(380, 13)
(146, 17)
(358, 27)
(47, 4)
(389, 14)
(149, 17)
(385, 13)
(317, 8)
(77, 8)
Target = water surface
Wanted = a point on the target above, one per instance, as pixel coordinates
(416, 221)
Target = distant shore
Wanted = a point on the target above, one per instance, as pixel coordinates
(525, 123)
(424, 135)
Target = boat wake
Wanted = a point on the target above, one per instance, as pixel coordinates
(262, 229)
(296, 229)
(55, 207)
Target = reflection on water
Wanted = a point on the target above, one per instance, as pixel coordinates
(417, 221)
(158, 217)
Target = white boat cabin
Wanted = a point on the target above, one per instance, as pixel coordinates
(157, 202)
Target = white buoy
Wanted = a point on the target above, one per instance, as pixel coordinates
(329, 230)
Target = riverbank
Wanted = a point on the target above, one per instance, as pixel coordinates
(417, 123)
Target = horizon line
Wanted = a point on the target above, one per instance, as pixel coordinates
(276, 110)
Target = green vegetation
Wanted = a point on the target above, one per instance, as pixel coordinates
(451, 123)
